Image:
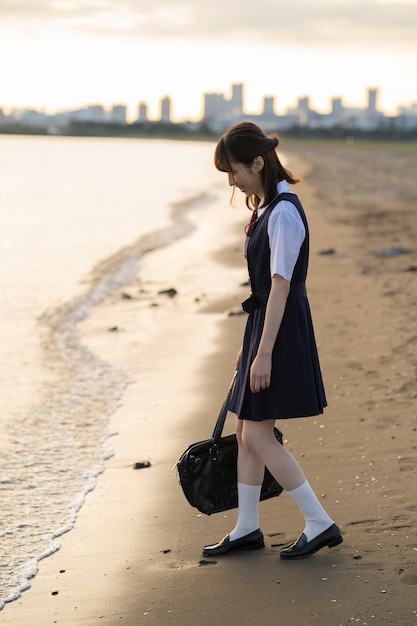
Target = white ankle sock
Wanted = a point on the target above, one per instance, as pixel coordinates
(316, 518)
(248, 512)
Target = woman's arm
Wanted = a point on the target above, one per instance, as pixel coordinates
(260, 371)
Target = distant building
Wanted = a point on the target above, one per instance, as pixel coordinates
(31, 117)
(336, 114)
(214, 106)
(118, 114)
(372, 99)
(220, 112)
(91, 113)
(269, 106)
(142, 112)
(407, 117)
(4, 119)
(165, 109)
(304, 110)
(236, 101)
(373, 118)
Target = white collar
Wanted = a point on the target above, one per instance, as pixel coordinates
(282, 187)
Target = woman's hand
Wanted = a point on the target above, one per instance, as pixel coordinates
(260, 372)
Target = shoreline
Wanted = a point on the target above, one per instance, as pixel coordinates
(77, 376)
(134, 555)
(178, 131)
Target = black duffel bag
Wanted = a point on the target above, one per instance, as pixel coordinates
(208, 470)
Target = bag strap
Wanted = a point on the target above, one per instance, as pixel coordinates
(218, 429)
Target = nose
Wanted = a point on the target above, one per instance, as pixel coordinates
(231, 179)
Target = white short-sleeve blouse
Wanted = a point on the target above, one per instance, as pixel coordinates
(286, 234)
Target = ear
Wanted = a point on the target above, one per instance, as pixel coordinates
(258, 163)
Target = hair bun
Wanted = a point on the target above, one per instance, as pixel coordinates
(273, 142)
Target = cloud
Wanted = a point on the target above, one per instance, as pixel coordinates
(307, 22)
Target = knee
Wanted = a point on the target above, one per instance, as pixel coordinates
(250, 441)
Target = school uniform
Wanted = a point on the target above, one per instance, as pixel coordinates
(279, 244)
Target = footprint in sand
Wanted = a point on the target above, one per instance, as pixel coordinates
(372, 374)
(363, 521)
(354, 365)
(407, 464)
(408, 577)
(187, 564)
(408, 388)
(275, 536)
(180, 565)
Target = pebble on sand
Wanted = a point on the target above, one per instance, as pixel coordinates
(141, 464)
(171, 292)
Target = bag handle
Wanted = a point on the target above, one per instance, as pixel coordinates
(218, 429)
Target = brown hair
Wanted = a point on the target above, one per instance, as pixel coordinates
(241, 144)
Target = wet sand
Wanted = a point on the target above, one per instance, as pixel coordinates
(134, 556)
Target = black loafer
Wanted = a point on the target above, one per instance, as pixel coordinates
(303, 548)
(252, 541)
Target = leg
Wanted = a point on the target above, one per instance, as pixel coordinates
(259, 438)
(250, 473)
(259, 448)
(250, 467)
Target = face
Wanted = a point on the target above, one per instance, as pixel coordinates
(247, 178)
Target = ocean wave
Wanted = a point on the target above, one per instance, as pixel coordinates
(57, 451)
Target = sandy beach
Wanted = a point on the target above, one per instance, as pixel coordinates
(134, 555)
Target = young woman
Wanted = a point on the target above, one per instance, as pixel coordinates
(278, 370)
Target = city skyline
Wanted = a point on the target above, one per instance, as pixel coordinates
(62, 54)
(163, 99)
(219, 112)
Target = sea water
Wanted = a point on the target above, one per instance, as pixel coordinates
(76, 214)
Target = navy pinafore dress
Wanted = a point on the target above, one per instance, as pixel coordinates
(296, 388)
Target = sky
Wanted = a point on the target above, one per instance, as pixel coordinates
(65, 54)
